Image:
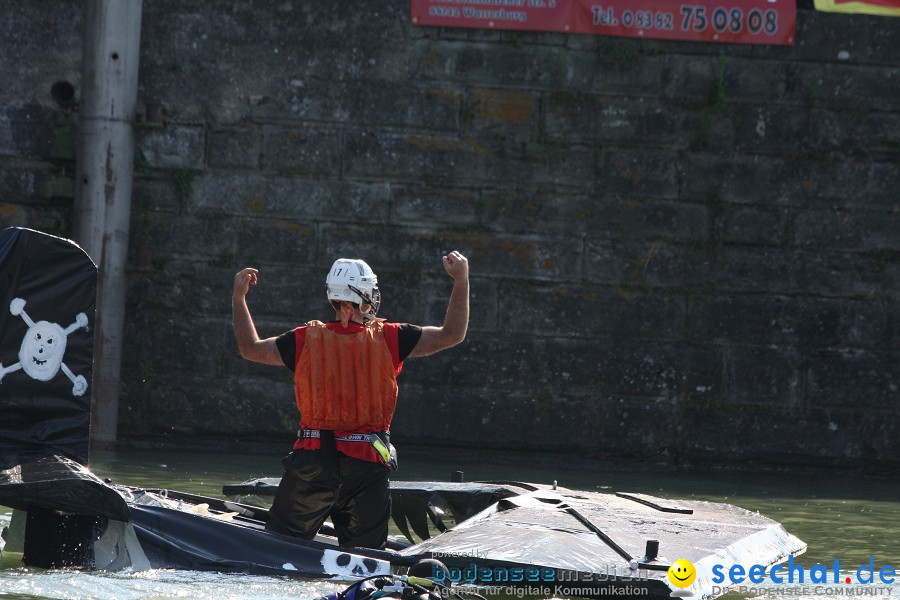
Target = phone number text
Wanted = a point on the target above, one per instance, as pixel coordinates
(692, 18)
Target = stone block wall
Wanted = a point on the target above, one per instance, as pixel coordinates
(680, 252)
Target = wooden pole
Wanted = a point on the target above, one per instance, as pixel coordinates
(105, 167)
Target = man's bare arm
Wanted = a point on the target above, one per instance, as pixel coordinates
(456, 321)
(251, 347)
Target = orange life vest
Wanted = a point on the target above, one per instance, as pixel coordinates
(345, 381)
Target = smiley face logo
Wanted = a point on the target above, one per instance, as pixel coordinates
(682, 573)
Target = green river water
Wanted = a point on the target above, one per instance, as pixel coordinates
(839, 515)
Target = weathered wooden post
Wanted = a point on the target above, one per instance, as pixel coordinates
(105, 165)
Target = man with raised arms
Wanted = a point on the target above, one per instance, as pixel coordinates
(345, 386)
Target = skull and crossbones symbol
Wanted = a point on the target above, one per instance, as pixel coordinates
(43, 347)
(344, 564)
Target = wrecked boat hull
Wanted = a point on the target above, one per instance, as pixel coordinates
(556, 542)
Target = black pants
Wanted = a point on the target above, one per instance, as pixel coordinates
(315, 485)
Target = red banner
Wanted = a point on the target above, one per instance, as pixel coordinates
(727, 21)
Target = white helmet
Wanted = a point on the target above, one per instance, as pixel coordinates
(352, 280)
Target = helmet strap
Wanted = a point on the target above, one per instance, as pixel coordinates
(373, 301)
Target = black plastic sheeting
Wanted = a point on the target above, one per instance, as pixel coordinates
(418, 506)
(179, 540)
(43, 411)
(48, 288)
(58, 483)
(508, 542)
